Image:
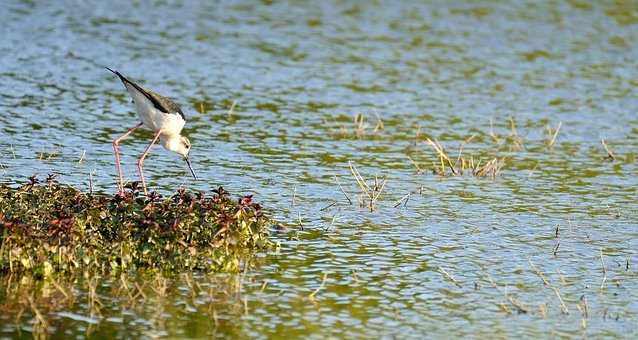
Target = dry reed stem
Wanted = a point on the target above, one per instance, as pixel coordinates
(416, 135)
(294, 194)
(610, 155)
(330, 205)
(538, 272)
(449, 277)
(490, 169)
(312, 295)
(299, 220)
(355, 277)
(519, 306)
(343, 191)
(82, 157)
(458, 158)
(561, 277)
(359, 125)
(13, 151)
(416, 165)
(542, 310)
(231, 110)
(517, 141)
(379, 125)
(602, 263)
(563, 306)
(371, 193)
(443, 157)
(552, 134)
(531, 172)
(404, 199)
(583, 307)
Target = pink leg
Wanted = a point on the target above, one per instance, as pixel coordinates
(140, 162)
(116, 152)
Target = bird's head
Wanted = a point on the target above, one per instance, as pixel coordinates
(181, 146)
(184, 147)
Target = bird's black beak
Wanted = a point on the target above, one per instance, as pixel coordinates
(190, 167)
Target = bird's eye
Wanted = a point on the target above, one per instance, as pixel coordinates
(188, 146)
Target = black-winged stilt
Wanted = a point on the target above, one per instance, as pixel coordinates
(159, 114)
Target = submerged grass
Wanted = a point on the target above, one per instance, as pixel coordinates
(475, 166)
(50, 228)
(369, 194)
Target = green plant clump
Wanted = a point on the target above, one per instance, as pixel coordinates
(49, 228)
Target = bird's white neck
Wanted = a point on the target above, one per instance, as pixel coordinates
(171, 142)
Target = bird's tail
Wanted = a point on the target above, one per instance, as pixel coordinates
(122, 78)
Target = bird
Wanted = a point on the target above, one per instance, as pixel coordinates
(159, 114)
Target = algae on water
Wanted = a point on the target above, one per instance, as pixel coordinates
(48, 228)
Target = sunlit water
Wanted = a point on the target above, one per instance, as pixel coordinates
(463, 256)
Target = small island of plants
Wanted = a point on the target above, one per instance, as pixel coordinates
(48, 228)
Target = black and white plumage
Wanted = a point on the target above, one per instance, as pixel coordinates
(157, 113)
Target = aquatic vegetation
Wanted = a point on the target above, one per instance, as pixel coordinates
(358, 128)
(610, 154)
(551, 134)
(369, 193)
(50, 228)
(475, 166)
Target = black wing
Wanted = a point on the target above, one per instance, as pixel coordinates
(157, 103)
(167, 104)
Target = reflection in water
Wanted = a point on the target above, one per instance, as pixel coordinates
(463, 255)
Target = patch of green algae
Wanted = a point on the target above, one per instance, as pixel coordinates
(49, 228)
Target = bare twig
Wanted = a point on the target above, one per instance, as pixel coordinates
(232, 108)
(416, 165)
(332, 204)
(519, 306)
(602, 263)
(294, 194)
(372, 193)
(299, 221)
(343, 191)
(517, 141)
(563, 307)
(82, 157)
(552, 134)
(403, 200)
(538, 272)
(443, 157)
(584, 308)
(379, 125)
(91, 183)
(555, 252)
(449, 277)
(610, 154)
(323, 283)
(531, 172)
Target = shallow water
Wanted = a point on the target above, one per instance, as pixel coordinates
(456, 259)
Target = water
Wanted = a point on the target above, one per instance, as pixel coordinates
(455, 260)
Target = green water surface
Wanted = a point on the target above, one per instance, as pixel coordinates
(549, 248)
